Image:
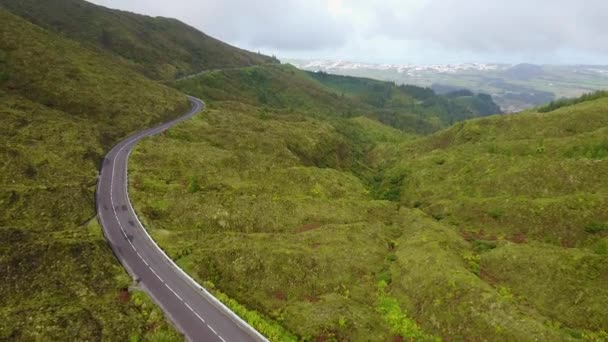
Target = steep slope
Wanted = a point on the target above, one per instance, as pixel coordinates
(371, 234)
(62, 107)
(160, 48)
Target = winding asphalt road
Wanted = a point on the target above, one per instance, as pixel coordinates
(194, 311)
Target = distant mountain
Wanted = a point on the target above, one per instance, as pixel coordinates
(513, 87)
(160, 48)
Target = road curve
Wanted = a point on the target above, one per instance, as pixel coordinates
(195, 312)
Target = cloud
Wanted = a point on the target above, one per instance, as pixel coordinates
(275, 24)
(542, 31)
(520, 26)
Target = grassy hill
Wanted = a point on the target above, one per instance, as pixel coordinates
(408, 108)
(537, 165)
(160, 48)
(398, 102)
(494, 229)
(527, 192)
(62, 107)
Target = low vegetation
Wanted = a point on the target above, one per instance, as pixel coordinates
(269, 329)
(294, 202)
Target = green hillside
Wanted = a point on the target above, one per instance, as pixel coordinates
(528, 193)
(539, 175)
(294, 203)
(160, 48)
(62, 107)
(408, 108)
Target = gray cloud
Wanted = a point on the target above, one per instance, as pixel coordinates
(567, 31)
(521, 26)
(275, 24)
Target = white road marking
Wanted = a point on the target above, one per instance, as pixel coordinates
(129, 142)
(156, 274)
(194, 312)
(199, 317)
(175, 293)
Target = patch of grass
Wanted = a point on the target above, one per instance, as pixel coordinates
(600, 247)
(483, 246)
(397, 320)
(596, 227)
(269, 329)
(595, 150)
(194, 185)
(566, 285)
(496, 213)
(446, 288)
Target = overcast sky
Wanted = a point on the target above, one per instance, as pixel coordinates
(400, 31)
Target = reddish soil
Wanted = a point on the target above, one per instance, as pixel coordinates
(124, 296)
(567, 243)
(518, 238)
(487, 276)
(307, 227)
(312, 298)
(280, 295)
(479, 235)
